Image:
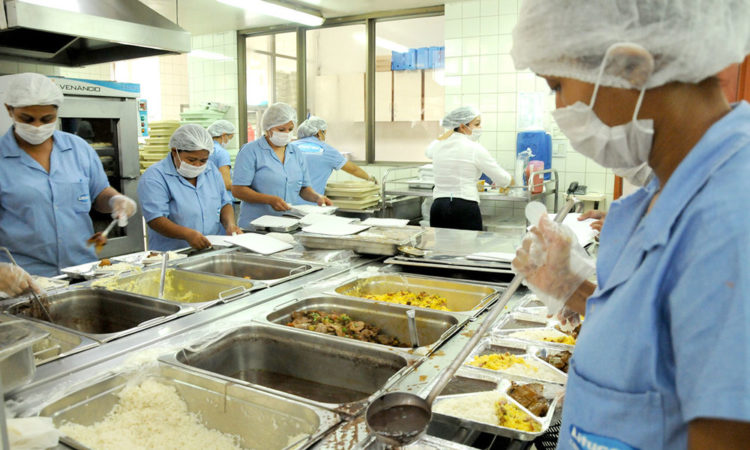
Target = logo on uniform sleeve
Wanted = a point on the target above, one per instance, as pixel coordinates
(583, 440)
(310, 149)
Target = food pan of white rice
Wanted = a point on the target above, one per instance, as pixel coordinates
(168, 408)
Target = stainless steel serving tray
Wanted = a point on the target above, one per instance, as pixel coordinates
(488, 346)
(16, 357)
(455, 263)
(102, 315)
(342, 376)
(551, 393)
(247, 266)
(260, 419)
(58, 344)
(433, 327)
(461, 297)
(205, 289)
(373, 241)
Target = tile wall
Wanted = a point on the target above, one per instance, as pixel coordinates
(215, 80)
(477, 55)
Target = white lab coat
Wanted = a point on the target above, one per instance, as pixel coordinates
(458, 162)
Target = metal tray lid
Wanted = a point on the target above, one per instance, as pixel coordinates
(17, 335)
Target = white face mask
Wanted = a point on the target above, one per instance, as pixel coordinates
(34, 135)
(189, 170)
(622, 147)
(280, 139)
(476, 133)
(637, 176)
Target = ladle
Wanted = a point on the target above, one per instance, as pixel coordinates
(36, 298)
(400, 418)
(162, 277)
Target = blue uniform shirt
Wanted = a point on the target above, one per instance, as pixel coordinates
(258, 166)
(220, 156)
(321, 160)
(165, 193)
(44, 217)
(667, 332)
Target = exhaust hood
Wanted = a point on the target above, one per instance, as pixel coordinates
(83, 32)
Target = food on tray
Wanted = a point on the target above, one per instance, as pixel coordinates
(559, 360)
(498, 361)
(531, 397)
(422, 299)
(341, 325)
(488, 407)
(544, 335)
(174, 290)
(150, 415)
(515, 365)
(105, 262)
(511, 416)
(573, 333)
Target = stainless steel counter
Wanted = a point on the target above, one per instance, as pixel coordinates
(252, 309)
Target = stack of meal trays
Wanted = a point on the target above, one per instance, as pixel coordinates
(203, 116)
(511, 384)
(357, 195)
(157, 143)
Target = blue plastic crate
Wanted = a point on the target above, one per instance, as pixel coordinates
(411, 59)
(398, 61)
(437, 57)
(423, 58)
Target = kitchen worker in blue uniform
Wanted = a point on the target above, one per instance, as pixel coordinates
(322, 159)
(270, 175)
(49, 181)
(183, 196)
(661, 361)
(222, 131)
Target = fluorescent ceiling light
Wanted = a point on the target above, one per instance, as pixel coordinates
(267, 8)
(381, 42)
(209, 55)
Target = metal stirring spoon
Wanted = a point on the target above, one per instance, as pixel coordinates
(36, 298)
(400, 418)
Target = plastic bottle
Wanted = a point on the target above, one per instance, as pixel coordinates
(522, 160)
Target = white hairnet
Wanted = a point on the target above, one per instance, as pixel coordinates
(311, 126)
(28, 89)
(459, 116)
(191, 137)
(690, 40)
(278, 114)
(221, 127)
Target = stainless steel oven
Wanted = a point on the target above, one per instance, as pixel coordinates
(105, 114)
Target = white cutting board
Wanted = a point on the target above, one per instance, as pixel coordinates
(334, 229)
(258, 243)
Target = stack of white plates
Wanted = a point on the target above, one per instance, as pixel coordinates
(426, 173)
(157, 143)
(353, 194)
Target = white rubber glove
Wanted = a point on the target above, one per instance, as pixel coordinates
(553, 263)
(15, 281)
(122, 208)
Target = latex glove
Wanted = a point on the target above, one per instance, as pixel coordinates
(553, 263)
(324, 201)
(15, 281)
(122, 208)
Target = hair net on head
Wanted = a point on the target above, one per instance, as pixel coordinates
(28, 89)
(278, 114)
(221, 127)
(690, 40)
(311, 126)
(459, 116)
(191, 137)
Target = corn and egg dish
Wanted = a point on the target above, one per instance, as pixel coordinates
(421, 299)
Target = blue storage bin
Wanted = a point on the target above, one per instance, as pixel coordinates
(398, 61)
(540, 143)
(423, 58)
(411, 59)
(437, 57)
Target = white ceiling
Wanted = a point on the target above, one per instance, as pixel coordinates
(211, 16)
